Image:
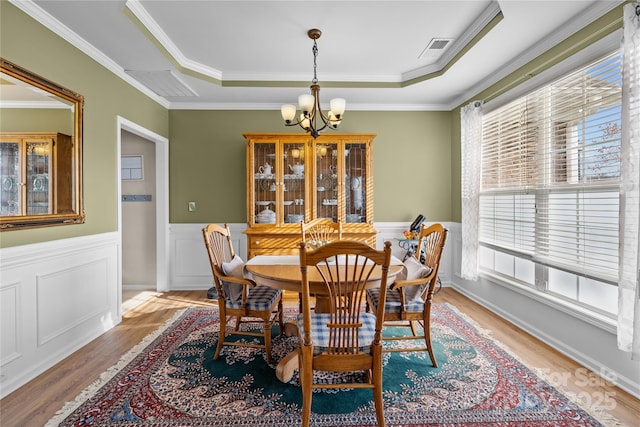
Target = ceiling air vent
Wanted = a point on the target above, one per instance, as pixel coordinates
(435, 48)
(163, 83)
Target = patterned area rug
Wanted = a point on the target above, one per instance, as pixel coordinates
(171, 379)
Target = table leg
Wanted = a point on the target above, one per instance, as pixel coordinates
(323, 305)
(284, 370)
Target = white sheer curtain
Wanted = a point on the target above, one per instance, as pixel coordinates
(471, 136)
(628, 293)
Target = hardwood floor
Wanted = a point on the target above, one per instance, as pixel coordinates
(36, 402)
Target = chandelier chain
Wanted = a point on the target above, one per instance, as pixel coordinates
(315, 65)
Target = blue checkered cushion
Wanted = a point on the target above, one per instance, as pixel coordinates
(320, 331)
(393, 301)
(261, 297)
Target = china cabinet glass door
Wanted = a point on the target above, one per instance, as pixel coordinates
(356, 173)
(10, 178)
(38, 169)
(265, 182)
(294, 202)
(327, 157)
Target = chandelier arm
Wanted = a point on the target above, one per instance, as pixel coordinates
(315, 90)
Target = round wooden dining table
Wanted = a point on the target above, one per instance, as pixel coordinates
(283, 272)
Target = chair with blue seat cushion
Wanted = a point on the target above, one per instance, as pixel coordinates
(409, 298)
(345, 338)
(238, 296)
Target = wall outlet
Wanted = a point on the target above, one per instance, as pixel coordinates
(191, 206)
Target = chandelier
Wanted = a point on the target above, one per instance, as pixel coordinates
(312, 119)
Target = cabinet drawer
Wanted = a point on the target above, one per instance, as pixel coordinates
(273, 243)
(256, 252)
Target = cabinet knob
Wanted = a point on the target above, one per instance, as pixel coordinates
(257, 242)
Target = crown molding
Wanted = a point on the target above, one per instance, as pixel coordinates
(270, 106)
(147, 24)
(50, 22)
(491, 13)
(154, 30)
(49, 105)
(586, 17)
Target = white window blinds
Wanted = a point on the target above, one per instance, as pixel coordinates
(550, 173)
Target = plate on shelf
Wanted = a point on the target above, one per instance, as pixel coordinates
(263, 202)
(38, 184)
(288, 202)
(351, 218)
(8, 183)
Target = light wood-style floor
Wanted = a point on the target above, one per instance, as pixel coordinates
(36, 402)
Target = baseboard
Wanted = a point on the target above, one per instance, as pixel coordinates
(132, 287)
(613, 375)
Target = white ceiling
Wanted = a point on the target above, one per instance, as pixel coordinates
(257, 55)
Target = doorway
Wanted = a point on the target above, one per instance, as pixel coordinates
(137, 184)
(142, 246)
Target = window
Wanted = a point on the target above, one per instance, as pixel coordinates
(549, 198)
(131, 168)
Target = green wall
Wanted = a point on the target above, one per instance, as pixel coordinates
(29, 44)
(412, 157)
(36, 120)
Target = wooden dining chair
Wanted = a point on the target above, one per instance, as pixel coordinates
(345, 338)
(409, 298)
(239, 297)
(320, 231)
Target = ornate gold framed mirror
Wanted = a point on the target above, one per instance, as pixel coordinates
(40, 151)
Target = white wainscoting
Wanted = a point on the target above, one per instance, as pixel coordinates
(55, 297)
(190, 266)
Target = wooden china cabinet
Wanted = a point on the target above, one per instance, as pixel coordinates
(35, 173)
(292, 178)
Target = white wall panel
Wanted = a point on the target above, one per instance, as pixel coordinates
(9, 332)
(190, 267)
(86, 295)
(55, 297)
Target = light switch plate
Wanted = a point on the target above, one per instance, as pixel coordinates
(191, 206)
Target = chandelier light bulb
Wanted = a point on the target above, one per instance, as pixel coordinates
(306, 102)
(288, 112)
(337, 106)
(305, 123)
(333, 120)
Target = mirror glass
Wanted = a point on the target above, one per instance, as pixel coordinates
(40, 151)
